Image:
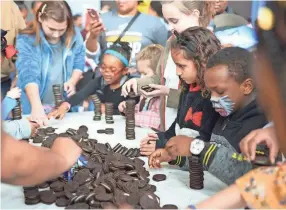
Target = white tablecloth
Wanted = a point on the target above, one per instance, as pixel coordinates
(174, 190)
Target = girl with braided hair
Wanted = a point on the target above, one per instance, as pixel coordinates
(113, 67)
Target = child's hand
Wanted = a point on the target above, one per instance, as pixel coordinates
(128, 86)
(160, 90)
(148, 144)
(14, 93)
(60, 112)
(179, 146)
(34, 128)
(122, 106)
(157, 157)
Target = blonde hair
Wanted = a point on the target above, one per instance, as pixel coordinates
(152, 53)
(206, 9)
(58, 11)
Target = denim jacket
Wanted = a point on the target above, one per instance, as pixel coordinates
(33, 62)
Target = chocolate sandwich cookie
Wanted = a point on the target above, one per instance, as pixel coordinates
(48, 197)
(149, 201)
(169, 206)
(44, 185)
(82, 129)
(108, 146)
(62, 202)
(78, 206)
(32, 201)
(159, 177)
(60, 194)
(133, 199)
(32, 194)
(49, 130)
(109, 131)
(103, 197)
(57, 186)
(101, 131)
(71, 186)
(16, 112)
(38, 139)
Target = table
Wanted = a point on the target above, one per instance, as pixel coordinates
(174, 190)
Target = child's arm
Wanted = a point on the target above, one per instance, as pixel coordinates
(163, 137)
(84, 93)
(19, 129)
(7, 105)
(218, 201)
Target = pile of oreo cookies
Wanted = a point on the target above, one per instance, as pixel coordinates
(107, 180)
(131, 153)
(130, 119)
(16, 112)
(58, 95)
(196, 173)
(47, 136)
(109, 113)
(97, 107)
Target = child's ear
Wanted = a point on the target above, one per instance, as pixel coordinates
(248, 86)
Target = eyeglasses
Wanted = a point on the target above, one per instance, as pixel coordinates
(111, 70)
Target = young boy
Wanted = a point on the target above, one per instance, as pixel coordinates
(233, 96)
(147, 113)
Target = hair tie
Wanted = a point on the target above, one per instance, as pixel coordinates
(43, 8)
(117, 55)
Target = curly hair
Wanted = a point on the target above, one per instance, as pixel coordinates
(239, 62)
(197, 44)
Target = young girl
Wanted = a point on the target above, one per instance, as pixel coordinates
(113, 67)
(52, 52)
(147, 110)
(180, 16)
(196, 117)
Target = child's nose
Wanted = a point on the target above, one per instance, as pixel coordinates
(179, 72)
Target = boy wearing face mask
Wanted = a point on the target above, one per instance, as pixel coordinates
(233, 96)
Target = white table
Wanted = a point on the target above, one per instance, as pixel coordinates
(174, 190)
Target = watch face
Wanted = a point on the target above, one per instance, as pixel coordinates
(197, 147)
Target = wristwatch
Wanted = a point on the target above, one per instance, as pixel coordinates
(197, 146)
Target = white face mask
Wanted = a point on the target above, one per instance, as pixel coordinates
(224, 104)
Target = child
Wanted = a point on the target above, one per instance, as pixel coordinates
(233, 97)
(147, 112)
(196, 117)
(113, 67)
(16, 128)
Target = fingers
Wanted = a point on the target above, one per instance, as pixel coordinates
(153, 135)
(244, 144)
(155, 86)
(134, 87)
(273, 152)
(62, 116)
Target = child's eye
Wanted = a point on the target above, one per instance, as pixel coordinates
(174, 21)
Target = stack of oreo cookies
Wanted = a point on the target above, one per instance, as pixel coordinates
(109, 113)
(131, 153)
(97, 107)
(130, 119)
(196, 173)
(58, 95)
(105, 180)
(16, 112)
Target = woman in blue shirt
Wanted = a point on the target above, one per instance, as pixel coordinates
(51, 52)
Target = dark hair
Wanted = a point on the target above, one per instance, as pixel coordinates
(3, 42)
(198, 44)
(239, 62)
(21, 5)
(75, 17)
(157, 7)
(121, 47)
